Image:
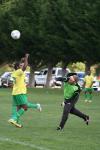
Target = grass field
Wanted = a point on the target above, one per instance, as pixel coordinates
(39, 131)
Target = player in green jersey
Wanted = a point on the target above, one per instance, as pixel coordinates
(71, 96)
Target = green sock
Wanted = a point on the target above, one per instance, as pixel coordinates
(86, 96)
(14, 111)
(20, 113)
(90, 97)
(31, 105)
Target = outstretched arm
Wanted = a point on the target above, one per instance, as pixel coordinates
(25, 61)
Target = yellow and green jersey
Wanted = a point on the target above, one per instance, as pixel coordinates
(88, 81)
(19, 85)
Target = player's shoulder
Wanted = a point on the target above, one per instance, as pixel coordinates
(19, 72)
(78, 87)
(87, 77)
(92, 77)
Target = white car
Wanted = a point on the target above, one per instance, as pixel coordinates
(0, 82)
(96, 84)
(7, 80)
(41, 78)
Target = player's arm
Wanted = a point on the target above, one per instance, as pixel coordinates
(25, 61)
(84, 82)
(91, 84)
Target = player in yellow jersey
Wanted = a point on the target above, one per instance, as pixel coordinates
(20, 101)
(88, 82)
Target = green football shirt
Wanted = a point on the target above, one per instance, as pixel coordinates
(69, 90)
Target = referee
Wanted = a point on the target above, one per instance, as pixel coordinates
(71, 96)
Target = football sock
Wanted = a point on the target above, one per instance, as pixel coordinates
(86, 96)
(90, 97)
(14, 111)
(31, 105)
(20, 113)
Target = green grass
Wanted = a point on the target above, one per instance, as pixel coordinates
(39, 131)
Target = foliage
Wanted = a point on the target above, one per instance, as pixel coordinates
(51, 31)
(4, 68)
(79, 66)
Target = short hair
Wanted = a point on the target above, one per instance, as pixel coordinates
(16, 65)
(67, 77)
(71, 74)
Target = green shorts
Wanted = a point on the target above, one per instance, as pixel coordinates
(20, 99)
(88, 89)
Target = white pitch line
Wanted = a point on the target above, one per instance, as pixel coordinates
(22, 143)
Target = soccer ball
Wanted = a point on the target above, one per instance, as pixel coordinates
(15, 34)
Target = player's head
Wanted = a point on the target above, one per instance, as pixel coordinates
(18, 65)
(89, 73)
(73, 79)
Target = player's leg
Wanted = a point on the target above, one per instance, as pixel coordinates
(21, 101)
(67, 108)
(66, 111)
(14, 108)
(80, 114)
(86, 94)
(21, 105)
(13, 119)
(34, 106)
(90, 95)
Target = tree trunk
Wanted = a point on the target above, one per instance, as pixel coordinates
(49, 75)
(64, 70)
(31, 77)
(87, 66)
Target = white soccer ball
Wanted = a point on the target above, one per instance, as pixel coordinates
(15, 34)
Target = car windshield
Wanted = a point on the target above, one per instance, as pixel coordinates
(45, 72)
(81, 74)
(5, 75)
(53, 72)
(60, 72)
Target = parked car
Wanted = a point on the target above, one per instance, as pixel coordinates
(96, 84)
(0, 82)
(58, 81)
(41, 78)
(6, 79)
(81, 75)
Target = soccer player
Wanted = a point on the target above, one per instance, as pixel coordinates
(88, 82)
(71, 96)
(20, 102)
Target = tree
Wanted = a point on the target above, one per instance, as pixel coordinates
(51, 31)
